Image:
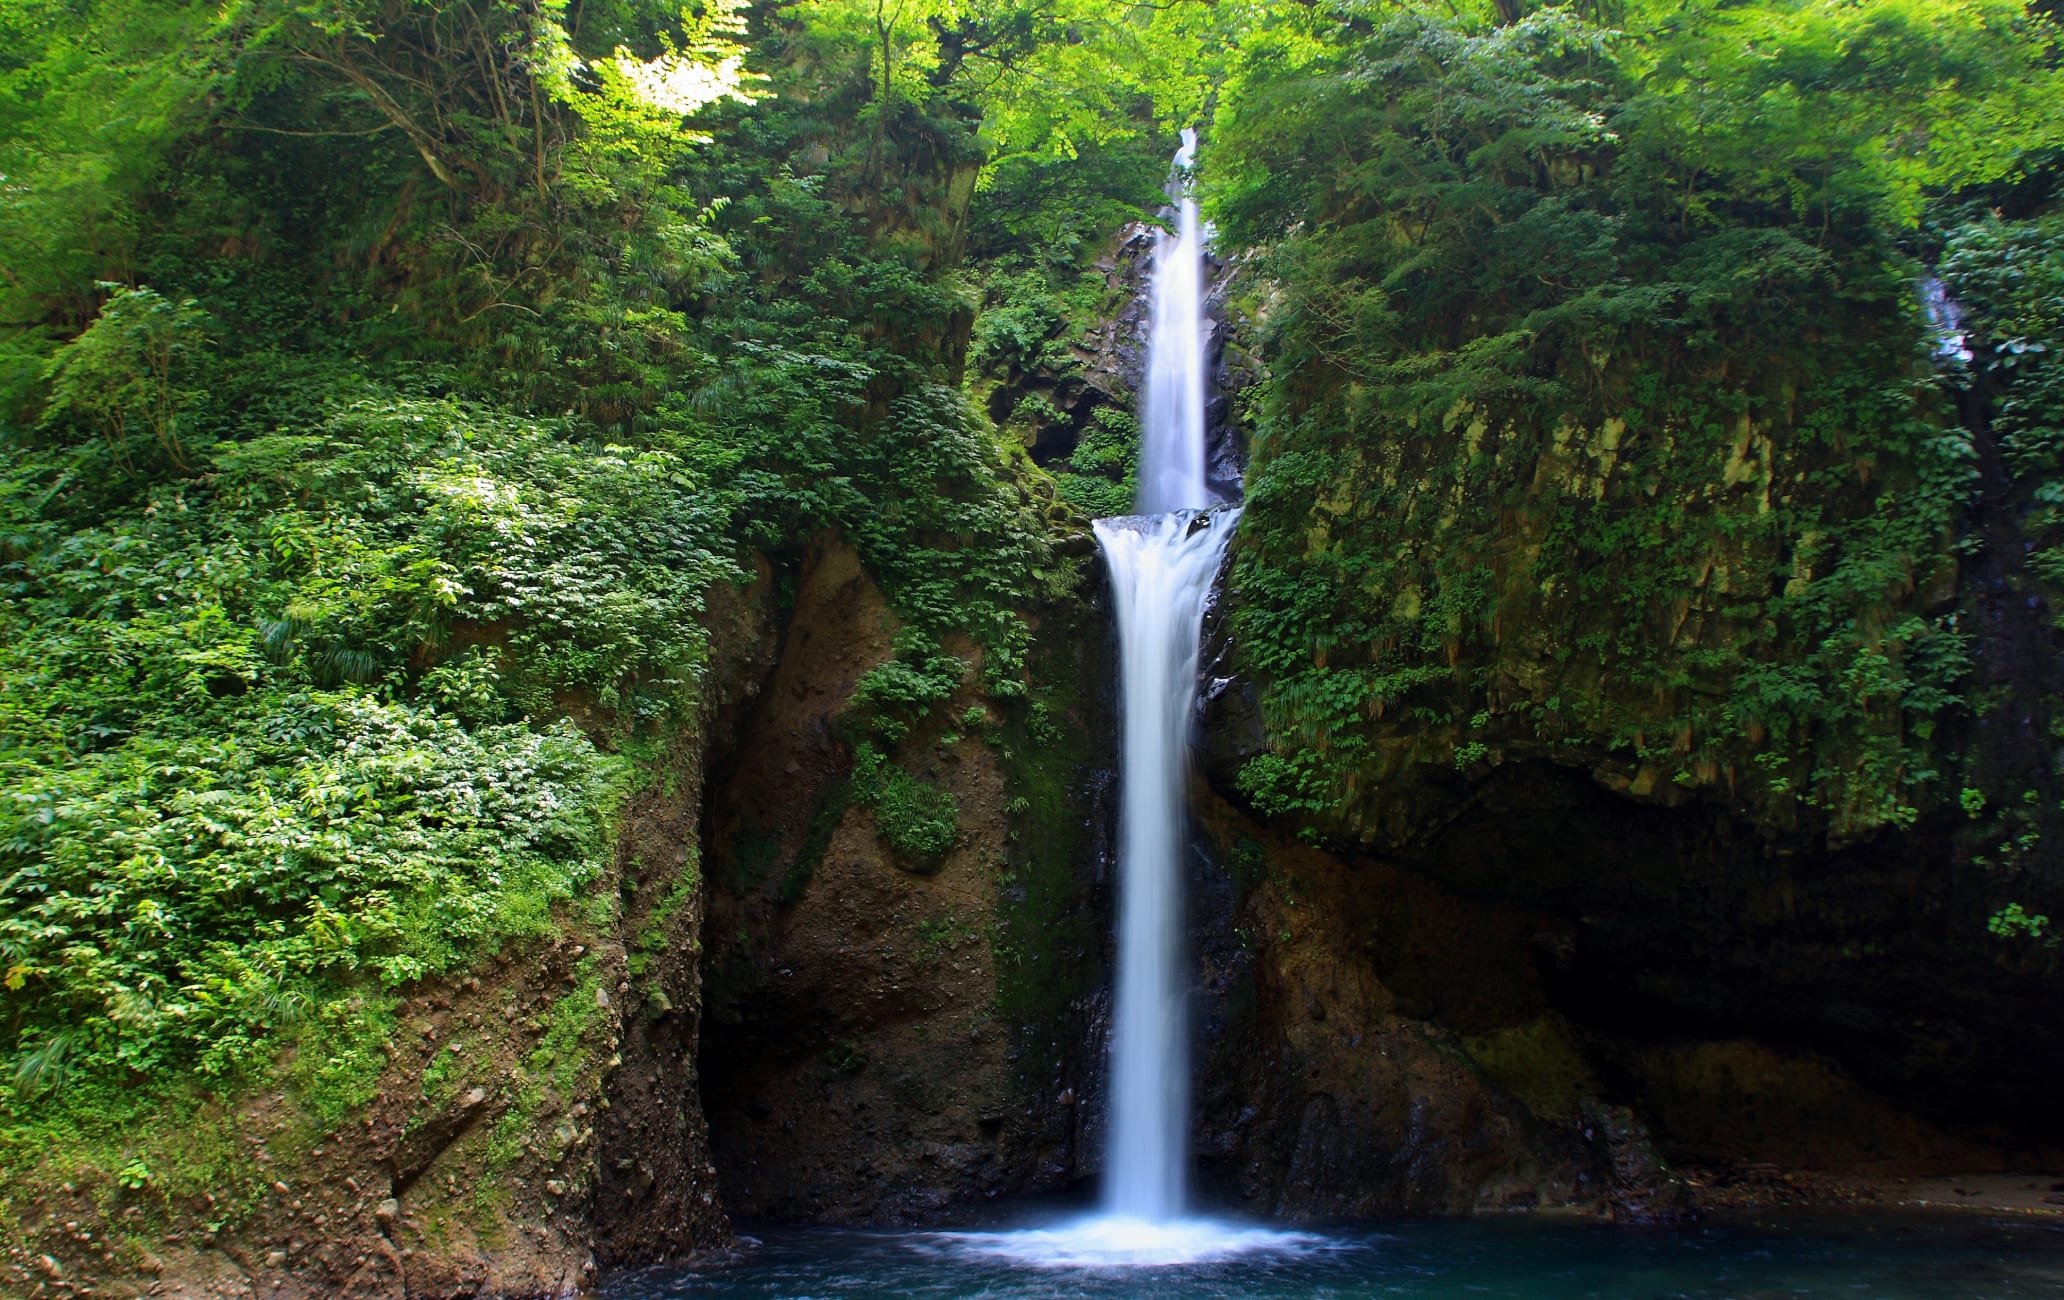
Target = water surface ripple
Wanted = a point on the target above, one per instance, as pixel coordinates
(1880, 1256)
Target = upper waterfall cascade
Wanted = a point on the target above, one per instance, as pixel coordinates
(1171, 465)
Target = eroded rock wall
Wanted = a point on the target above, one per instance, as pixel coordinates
(1504, 1014)
(1327, 1093)
(875, 1049)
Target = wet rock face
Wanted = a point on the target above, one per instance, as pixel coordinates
(655, 1187)
(1561, 994)
(1110, 358)
(856, 1062)
(1319, 1094)
(1641, 1188)
(1235, 366)
(1503, 1012)
(1684, 924)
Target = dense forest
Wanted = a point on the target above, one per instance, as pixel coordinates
(435, 431)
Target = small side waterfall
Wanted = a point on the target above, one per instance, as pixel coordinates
(1945, 317)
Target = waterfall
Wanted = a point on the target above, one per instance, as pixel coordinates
(1162, 565)
(1945, 317)
(1163, 562)
(1171, 463)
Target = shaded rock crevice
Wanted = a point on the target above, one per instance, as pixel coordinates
(885, 1043)
(1597, 966)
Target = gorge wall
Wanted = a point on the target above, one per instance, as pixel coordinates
(889, 1040)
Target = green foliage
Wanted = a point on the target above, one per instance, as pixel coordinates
(2014, 922)
(1827, 111)
(228, 802)
(575, 1030)
(99, 1132)
(2010, 276)
(92, 100)
(1052, 216)
(1102, 474)
(120, 375)
(916, 819)
(652, 936)
(897, 693)
(348, 836)
(1277, 785)
(1021, 330)
(1528, 445)
(1053, 80)
(1038, 232)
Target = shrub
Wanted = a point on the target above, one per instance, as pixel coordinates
(916, 819)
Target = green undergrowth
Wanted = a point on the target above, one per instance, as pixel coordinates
(235, 785)
(177, 1149)
(1101, 477)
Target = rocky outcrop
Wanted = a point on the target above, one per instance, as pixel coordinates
(1107, 358)
(1325, 1092)
(441, 1187)
(1377, 1038)
(1600, 964)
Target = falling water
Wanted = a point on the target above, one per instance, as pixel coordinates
(1945, 318)
(1171, 466)
(1162, 564)
(1162, 567)
(1162, 561)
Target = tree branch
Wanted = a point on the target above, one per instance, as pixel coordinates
(274, 130)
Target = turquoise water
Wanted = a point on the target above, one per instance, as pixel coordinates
(1881, 1256)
